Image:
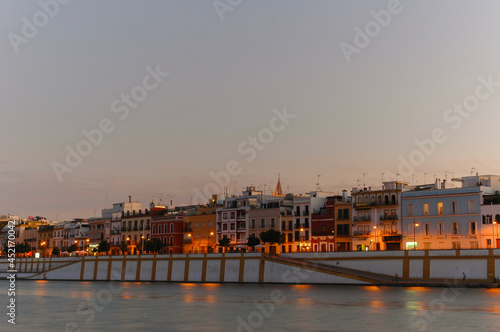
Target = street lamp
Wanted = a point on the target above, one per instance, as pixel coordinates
(494, 244)
(87, 241)
(142, 240)
(301, 239)
(376, 247)
(43, 245)
(415, 224)
(210, 240)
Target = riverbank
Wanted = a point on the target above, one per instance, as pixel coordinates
(441, 268)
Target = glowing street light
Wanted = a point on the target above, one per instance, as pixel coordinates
(415, 224)
(376, 247)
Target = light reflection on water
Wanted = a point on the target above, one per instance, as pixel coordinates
(50, 305)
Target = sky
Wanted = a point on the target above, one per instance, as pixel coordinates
(185, 98)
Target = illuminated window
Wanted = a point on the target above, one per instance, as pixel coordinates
(440, 208)
(426, 209)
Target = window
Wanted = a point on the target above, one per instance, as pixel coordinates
(454, 207)
(165, 228)
(210, 224)
(427, 246)
(272, 223)
(426, 209)
(473, 228)
(454, 228)
(283, 225)
(456, 245)
(171, 228)
(154, 229)
(224, 227)
(253, 223)
(441, 229)
(195, 224)
(171, 241)
(440, 208)
(290, 225)
(224, 216)
(346, 213)
(202, 224)
(474, 245)
(233, 226)
(233, 215)
(427, 229)
(262, 223)
(472, 206)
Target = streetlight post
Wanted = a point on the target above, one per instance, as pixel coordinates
(415, 224)
(87, 244)
(301, 238)
(43, 245)
(376, 247)
(494, 244)
(142, 240)
(209, 240)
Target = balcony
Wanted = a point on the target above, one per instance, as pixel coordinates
(362, 218)
(305, 213)
(188, 241)
(390, 233)
(389, 217)
(361, 233)
(124, 228)
(296, 213)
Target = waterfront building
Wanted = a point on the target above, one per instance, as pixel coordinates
(135, 229)
(263, 219)
(323, 226)
(490, 219)
(168, 227)
(439, 217)
(377, 217)
(343, 223)
(45, 240)
(98, 231)
(200, 228)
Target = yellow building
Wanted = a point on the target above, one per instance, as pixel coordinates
(199, 229)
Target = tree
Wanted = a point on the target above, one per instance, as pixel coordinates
(252, 241)
(124, 247)
(272, 237)
(153, 245)
(56, 251)
(224, 242)
(22, 248)
(73, 247)
(104, 246)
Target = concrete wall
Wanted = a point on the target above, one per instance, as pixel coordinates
(480, 265)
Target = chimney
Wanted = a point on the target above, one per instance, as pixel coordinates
(344, 195)
(129, 199)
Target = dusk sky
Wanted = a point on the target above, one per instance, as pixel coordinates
(356, 102)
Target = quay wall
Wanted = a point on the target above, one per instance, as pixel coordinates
(417, 266)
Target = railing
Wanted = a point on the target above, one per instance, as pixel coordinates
(305, 213)
(124, 228)
(361, 233)
(362, 218)
(390, 233)
(389, 217)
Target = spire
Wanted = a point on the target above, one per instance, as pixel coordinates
(278, 191)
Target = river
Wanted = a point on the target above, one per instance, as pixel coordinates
(149, 306)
